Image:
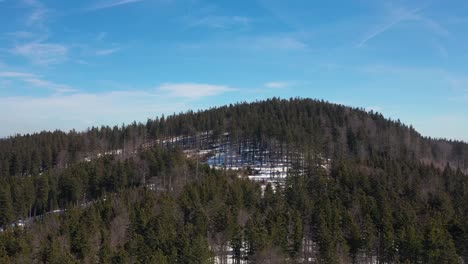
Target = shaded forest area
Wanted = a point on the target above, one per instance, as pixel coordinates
(392, 211)
(390, 195)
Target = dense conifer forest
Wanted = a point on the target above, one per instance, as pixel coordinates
(335, 130)
(389, 195)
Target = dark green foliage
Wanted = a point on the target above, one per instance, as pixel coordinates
(333, 129)
(6, 210)
(381, 198)
(347, 213)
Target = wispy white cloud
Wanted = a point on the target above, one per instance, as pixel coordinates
(399, 15)
(193, 90)
(33, 3)
(289, 13)
(105, 52)
(38, 15)
(276, 42)
(389, 69)
(396, 19)
(276, 85)
(10, 74)
(279, 42)
(220, 22)
(433, 25)
(80, 110)
(32, 43)
(82, 62)
(42, 53)
(111, 4)
(21, 34)
(58, 88)
(37, 81)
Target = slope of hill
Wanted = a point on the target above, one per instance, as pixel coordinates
(332, 129)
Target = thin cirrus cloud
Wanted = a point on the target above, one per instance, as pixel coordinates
(277, 85)
(266, 43)
(111, 4)
(58, 88)
(105, 52)
(37, 81)
(37, 16)
(42, 53)
(39, 13)
(193, 90)
(399, 15)
(9, 74)
(282, 43)
(21, 34)
(79, 110)
(221, 22)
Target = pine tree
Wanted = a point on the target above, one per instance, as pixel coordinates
(6, 208)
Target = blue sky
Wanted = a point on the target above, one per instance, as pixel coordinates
(75, 64)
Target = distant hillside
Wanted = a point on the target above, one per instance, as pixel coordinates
(334, 130)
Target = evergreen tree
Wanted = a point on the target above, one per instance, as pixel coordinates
(6, 210)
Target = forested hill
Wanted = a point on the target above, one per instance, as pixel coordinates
(333, 130)
(125, 195)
